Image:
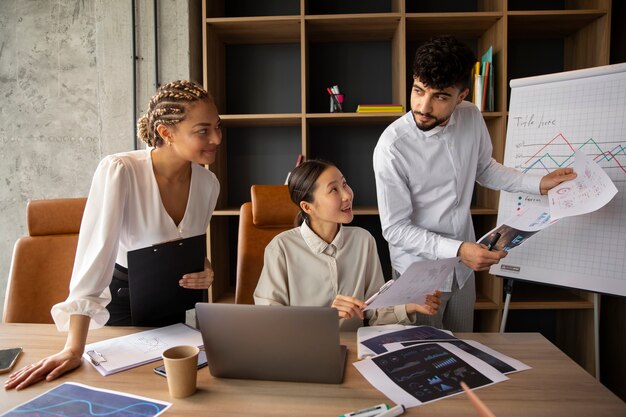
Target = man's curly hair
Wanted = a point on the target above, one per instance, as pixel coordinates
(443, 62)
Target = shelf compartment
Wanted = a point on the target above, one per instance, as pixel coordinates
(531, 296)
(550, 24)
(326, 7)
(354, 28)
(250, 149)
(453, 6)
(250, 30)
(555, 5)
(351, 149)
(350, 65)
(269, 82)
(422, 26)
(241, 8)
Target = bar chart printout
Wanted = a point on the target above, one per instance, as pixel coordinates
(550, 118)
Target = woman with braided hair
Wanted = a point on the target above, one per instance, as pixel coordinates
(137, 199)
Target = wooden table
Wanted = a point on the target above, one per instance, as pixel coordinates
(556, 386)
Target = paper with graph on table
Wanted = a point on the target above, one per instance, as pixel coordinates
(591, 190)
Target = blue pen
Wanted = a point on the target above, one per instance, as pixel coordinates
(368, 412)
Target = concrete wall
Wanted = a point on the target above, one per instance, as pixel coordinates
(66, 93)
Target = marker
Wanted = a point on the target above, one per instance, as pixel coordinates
(368, 412)
(493, 242)
(393, 412)
(382, 289)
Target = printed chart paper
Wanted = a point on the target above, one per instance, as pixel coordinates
(591, 190)
(504, 364)
(77, 400)
(376, 343)
(427, 372)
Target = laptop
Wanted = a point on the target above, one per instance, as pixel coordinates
(273, 343)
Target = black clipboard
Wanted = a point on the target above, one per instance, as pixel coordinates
(156, 298)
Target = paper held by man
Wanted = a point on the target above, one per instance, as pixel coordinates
(591, 190)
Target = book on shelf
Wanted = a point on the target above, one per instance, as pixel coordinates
(375, 108)
(482, 82)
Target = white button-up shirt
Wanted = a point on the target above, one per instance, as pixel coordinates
(425, 182)
(124, 212)
(301, 269)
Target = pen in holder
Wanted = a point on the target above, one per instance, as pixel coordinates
(336, 102)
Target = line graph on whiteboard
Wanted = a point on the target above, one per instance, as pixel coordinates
(549, 120)
(558, 152)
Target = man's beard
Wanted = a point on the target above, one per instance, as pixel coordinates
(425, 128)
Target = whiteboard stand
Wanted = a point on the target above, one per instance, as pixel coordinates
(596, 332)
(508, 289)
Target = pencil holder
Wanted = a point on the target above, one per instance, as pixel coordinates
(336, 103)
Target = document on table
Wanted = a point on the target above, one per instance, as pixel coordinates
(73, 400)
(591, 190)
(371, 340)
(121, 353)
(426, 372)
(504, 364)
(419, 280)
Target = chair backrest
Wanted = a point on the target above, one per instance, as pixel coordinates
(270, 213)
(42, 261)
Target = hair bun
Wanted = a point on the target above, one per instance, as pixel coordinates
(142, 130)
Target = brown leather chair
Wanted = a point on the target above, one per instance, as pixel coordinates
(270, 213)
(42, 261)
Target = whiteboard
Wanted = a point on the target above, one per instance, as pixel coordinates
(550, 117)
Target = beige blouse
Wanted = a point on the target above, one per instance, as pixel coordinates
(301, 269)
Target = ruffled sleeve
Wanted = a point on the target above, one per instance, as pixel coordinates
(97, 246)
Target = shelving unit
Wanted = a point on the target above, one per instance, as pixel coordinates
(268, 64)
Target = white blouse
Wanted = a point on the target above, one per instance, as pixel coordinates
(124, 212)
(301, 269)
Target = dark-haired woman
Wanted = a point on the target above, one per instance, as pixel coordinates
(322, 262)
(137, 199)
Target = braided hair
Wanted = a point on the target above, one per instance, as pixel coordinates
(168, 107)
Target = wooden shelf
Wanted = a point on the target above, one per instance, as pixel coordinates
(256, 120)
(252, 30)
(483, 211)
(271, 117)
(483, 303)
(538, 297)
(328, 119)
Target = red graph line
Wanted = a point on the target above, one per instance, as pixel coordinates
(616, 161)
(544, 146)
